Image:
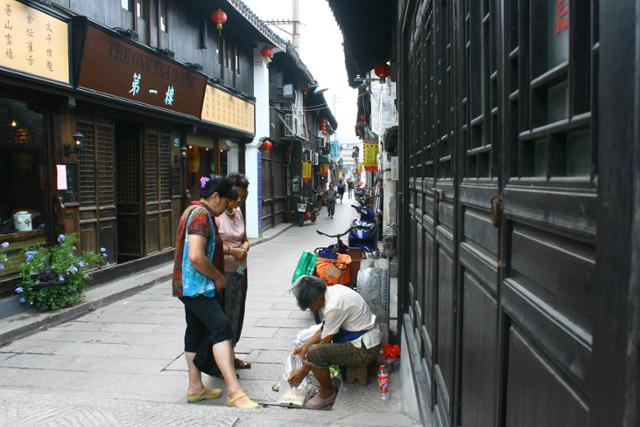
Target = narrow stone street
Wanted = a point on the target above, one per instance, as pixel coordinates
(123, 364)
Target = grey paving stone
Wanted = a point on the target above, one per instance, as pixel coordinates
(130, 327)
(376, 419)
(268, 356)
(250, 344)
(33, 346)
(262, 371)
(254, 332)
(284, 323)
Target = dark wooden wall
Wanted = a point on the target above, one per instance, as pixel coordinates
(499, 139)
(190, 34)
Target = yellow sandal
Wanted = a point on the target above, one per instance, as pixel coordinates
(206, 394)
(233, 403)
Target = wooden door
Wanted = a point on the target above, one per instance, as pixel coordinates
(479, 238)
(129, 196)
(97, 186)
(268, 208)
(499, 134)
(157, 190)
(550, 193)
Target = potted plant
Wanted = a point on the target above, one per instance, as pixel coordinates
(54, 277)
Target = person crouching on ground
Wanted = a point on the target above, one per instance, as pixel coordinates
(348, 336)
(331, 200)
(197, 278)
(233, 232)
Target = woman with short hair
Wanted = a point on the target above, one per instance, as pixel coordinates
(348, 336)
(233, 232)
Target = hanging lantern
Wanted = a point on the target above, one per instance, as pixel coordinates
(382, 71)
(219, 18)
(266, 53)
(266, 145)
(324, 126)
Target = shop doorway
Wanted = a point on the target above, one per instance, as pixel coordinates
(97, 185)
(129, 200)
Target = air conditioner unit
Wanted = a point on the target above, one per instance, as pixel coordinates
(287, 91)
(316, 159)
(322, 142)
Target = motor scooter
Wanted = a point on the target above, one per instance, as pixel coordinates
(364, 231)
(307, 210)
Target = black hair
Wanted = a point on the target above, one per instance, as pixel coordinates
(238, 180)
(307, 290)
(215, 184)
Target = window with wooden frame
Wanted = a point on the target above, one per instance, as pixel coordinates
(480, 129)
(162, 16)
(127, 5)
(443, 102)
(553, 52)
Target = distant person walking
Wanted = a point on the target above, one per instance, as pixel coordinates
(331, 200)
(197, 279)
(233, 232)
(341, 188)
(350, 186)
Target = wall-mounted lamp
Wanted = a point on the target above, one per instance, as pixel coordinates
(14, 123)
(76, 146)
(184, 152)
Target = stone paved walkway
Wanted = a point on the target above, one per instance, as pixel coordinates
(123, 365)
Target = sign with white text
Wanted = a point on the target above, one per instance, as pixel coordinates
(117, 67)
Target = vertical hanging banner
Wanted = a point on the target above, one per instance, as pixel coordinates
(307, 171)
(360, 168)
(371, 156)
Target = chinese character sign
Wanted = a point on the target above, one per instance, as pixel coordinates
(371, 156)
(33, 42)
(118, 67)
(225, 109)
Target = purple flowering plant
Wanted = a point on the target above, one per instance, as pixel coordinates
(4, 259)
(54, 277)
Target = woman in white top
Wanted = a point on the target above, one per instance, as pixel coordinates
(348, 336)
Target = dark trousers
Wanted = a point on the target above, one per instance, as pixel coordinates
(206, 325)
(331, 208)
(235, 298)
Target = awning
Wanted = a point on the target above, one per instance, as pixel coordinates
(367, 29)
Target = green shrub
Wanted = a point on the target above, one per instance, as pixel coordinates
(54, 277)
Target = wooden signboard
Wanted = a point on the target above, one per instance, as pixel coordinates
(225, 109)
(371, 156)
(33, 42)
(117, 67)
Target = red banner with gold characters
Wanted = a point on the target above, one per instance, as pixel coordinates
(307, 171)
(371, 156)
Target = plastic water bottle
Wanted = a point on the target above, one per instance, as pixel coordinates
(383, 382)
(241, 270)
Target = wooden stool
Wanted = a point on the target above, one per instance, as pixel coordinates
(357, 373)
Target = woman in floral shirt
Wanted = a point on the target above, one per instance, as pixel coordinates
(197, 279)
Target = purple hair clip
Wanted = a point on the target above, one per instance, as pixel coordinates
(203, 181)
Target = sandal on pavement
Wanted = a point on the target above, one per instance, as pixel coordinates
(319, 402)
(233, 403)
(206, 394)
(241, 364)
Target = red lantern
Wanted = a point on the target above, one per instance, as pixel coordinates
(324, 126)
(219, 18)
(266, 145)
(266, 53)
(383, 71)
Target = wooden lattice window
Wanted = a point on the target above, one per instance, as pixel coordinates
(151, 166)
(480, 129)
(128, 172)
(553, 52)
(97, 162)
(444, 77)
(165, 166)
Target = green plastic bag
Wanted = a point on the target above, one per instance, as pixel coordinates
(306, 265)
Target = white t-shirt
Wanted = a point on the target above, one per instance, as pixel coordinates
(345, 308)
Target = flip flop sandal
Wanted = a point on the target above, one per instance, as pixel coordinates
(233, 403)
(241, 364)
(318, 402)
(206, 394)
